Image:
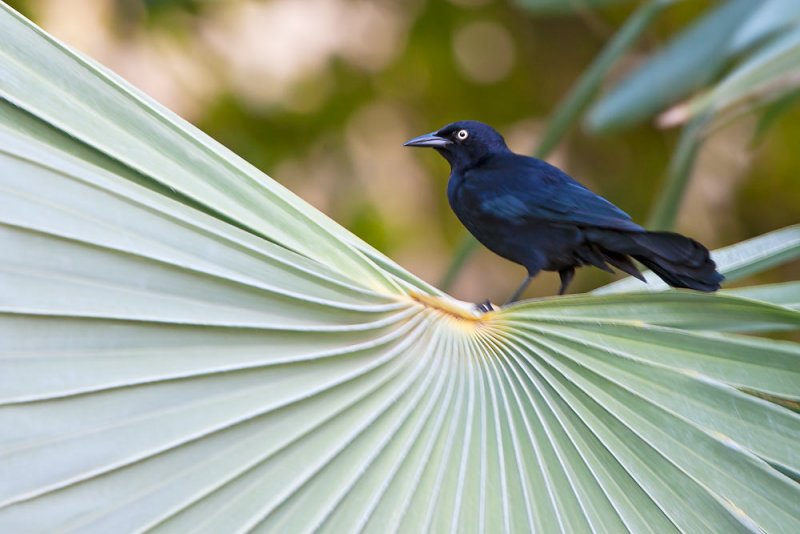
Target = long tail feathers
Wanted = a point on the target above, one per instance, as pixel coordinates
(678, 260)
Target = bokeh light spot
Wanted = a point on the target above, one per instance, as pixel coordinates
(484, 51)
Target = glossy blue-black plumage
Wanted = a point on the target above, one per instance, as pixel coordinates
(534, 214)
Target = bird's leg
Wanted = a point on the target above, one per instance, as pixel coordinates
(521, 289)
(485, 306)
(566, 277)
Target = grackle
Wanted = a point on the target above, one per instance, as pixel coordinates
(534, 214)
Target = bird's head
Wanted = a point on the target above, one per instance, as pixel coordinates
(463, 143)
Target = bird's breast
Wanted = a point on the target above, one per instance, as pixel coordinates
(461, 201)
(466, 203)
(453, 187)
(504, 233)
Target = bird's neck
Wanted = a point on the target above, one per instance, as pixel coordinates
(461, 163)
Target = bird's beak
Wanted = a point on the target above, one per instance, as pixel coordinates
(430, 140)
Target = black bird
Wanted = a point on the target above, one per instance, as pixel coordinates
(534, 214)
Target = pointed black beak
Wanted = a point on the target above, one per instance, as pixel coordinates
(429, 140)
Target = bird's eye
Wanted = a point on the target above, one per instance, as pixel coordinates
(462, 134)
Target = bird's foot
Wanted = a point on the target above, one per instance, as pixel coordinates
(485, 306)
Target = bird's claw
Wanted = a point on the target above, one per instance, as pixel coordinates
(485, 306)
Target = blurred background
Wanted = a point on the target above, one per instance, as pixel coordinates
(321, 94)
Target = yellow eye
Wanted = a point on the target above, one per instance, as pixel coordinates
(462, 134)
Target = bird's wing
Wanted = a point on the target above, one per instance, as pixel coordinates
(528, 189)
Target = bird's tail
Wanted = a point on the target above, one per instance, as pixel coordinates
(678, 260)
